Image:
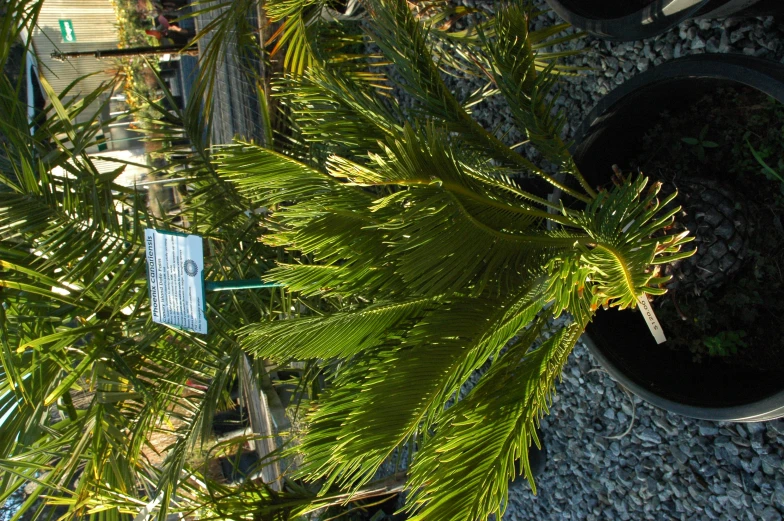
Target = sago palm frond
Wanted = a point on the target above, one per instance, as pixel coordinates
(378, 406)
(325, 106)
(463, 472)
(436, 260)
(462, 49)
(403, 41)
(339, 335)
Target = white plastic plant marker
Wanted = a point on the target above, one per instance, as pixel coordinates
(175, 270)
(644, 305)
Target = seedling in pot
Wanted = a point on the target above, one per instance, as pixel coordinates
(767, 170)
(700, 143)
(725, 343)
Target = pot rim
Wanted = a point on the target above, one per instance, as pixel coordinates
(765, 409)
(732, 67)
(647, 22)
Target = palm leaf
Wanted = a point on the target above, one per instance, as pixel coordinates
(401, 394)
(339, 335)
(462, 473)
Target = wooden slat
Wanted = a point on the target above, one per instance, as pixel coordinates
(261, 424)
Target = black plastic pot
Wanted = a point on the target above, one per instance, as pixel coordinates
(225, 422)
(239, 466)
(620, 340)
(625, 20)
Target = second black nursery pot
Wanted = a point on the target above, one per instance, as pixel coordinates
(629, 20)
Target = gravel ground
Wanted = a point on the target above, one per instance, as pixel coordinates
(612, 456)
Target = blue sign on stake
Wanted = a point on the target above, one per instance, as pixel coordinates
(175, 269)
(175, 273)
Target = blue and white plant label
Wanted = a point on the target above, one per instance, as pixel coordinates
(175, 265)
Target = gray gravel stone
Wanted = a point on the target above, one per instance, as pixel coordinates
(697, 43)
(649, 436)
(708, 430)
(770, 514)
(771, 463)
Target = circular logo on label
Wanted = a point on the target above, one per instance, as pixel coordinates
(191, 268)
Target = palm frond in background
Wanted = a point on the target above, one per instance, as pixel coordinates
(87, 380)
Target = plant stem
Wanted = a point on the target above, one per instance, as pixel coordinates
(455, 188)
(512, 156)
(590, 191)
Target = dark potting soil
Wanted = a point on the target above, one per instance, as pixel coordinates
(607, 9)
(737, 317)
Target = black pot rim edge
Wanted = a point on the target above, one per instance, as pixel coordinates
(733, 67)
(631, 27)
(721, 67)
(766, 409)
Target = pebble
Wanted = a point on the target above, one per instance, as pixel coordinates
(708, 430)
(649, 436)
(697, 43)
(770, 514)
(771, 463)
(724, 41)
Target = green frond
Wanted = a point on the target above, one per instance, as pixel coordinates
(278, 10)
(324, 217)
(441, 204)
(363, 276)
(465, 217)
(404, 42)
(340, 335)
(525, 89)
(295, 17)
(325, 428)
(617, 262)
(403, 393)
(473, 256)
(463, 50)
(337, 111)
(310, 279)
(266, 178)
(323, 234)
(463, 471)
(427, 157)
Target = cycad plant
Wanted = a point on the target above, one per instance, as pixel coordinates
(423, 245)
(438, 244)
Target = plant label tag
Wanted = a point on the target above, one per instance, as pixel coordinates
(175, 265)
(646, 309)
